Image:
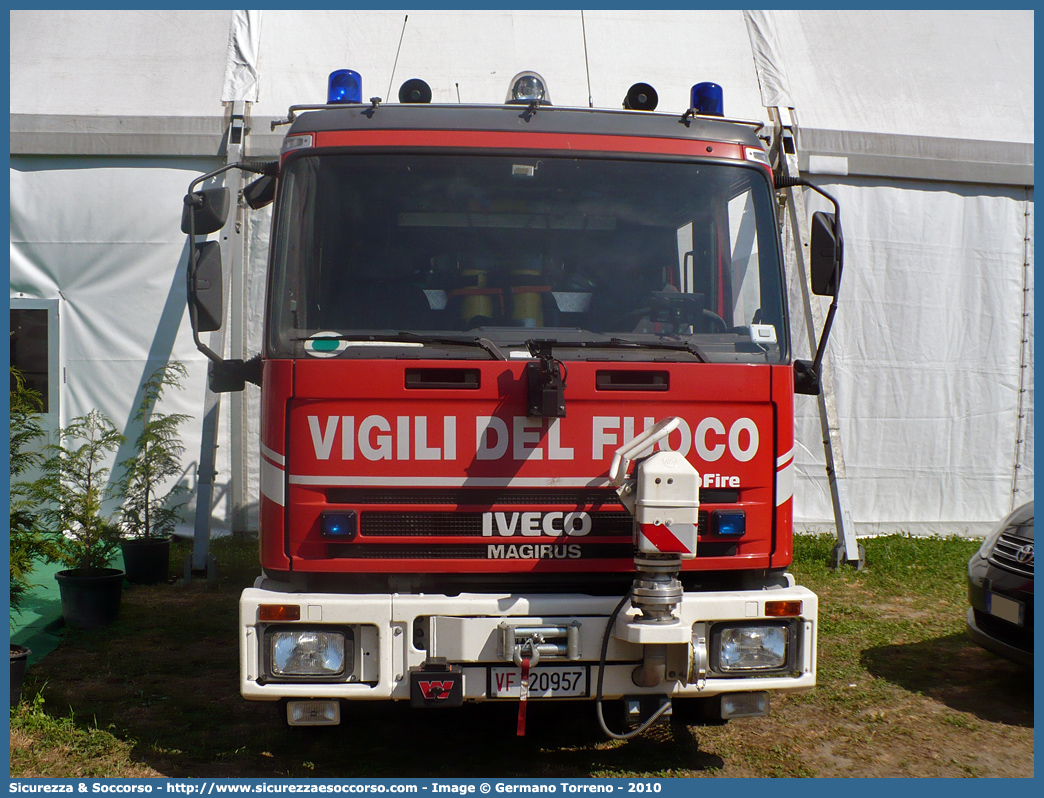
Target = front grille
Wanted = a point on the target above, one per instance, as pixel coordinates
(488, 524)
(375, 523)
(504, 549)
(1008, 552)
(507, 549)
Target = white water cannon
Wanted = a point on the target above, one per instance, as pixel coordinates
(663, 497)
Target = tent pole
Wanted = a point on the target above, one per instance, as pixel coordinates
(201, 559)
(847, 549)
(237, 325)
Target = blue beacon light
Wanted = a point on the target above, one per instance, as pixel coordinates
(341, 525)
(729, 523)
(345, 87)
(707, 99)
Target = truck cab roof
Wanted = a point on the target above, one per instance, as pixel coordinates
(522, 118)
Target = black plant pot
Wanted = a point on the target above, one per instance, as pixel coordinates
(147, 562)
(19, 659)
(90, 596)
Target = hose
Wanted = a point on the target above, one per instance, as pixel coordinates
(601, 675)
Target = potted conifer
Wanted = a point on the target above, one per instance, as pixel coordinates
(29, 545)
(149, 514)
(68, 497)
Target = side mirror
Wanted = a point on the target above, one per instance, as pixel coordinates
(231, 376)
(210, 209)
(205, 293)
(826, 254)
(260, 192)
(806, 378)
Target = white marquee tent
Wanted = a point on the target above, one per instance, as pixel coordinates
(920, 122)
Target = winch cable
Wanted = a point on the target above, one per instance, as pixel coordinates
(601, 674)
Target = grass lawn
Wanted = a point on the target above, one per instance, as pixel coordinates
(901, 692)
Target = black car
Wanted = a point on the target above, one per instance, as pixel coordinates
(1000, 589)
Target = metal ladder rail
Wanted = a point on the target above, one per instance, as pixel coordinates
(847, 549)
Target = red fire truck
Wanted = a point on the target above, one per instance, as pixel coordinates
(527, 395)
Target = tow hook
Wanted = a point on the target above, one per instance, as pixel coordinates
(526, 650)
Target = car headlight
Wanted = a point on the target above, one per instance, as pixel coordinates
(986, 549)
(307, 652)
(753, 648)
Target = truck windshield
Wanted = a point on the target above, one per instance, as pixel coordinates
(393, 250)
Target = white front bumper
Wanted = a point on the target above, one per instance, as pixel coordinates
(397, 632)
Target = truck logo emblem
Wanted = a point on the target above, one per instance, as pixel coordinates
(534, 551)
(435, 690)
(533, 525)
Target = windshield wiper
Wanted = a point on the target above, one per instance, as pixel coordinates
(477, 340)
(412, 337)
(678, 345)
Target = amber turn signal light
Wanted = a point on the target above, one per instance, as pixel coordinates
(279, 612)
(782, 609)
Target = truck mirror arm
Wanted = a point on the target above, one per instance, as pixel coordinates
(807, 374)
(224, 375)
(256, 167)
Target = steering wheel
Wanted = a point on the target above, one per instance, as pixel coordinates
(717, 320)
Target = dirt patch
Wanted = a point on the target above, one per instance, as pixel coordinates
(909, 736)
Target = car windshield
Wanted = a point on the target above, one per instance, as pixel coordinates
(665, 258)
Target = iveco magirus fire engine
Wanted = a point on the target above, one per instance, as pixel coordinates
(527, 396)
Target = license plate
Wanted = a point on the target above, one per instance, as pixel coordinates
(550, 681)
(1005, 608)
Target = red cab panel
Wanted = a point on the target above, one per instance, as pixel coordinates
(437, 467)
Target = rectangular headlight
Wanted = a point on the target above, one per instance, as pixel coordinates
(744, 705)
(753, 648)
(313, 713)
(308, 652)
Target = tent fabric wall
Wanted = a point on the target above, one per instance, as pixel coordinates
(241, 75)
(926, 354)
(472, 58)
(119, 278)
(954, 74)
(151, 64)
(920, 121)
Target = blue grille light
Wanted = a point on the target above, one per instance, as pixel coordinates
(729, 523)
(707, 99)
(340, 525)
(345, 87)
